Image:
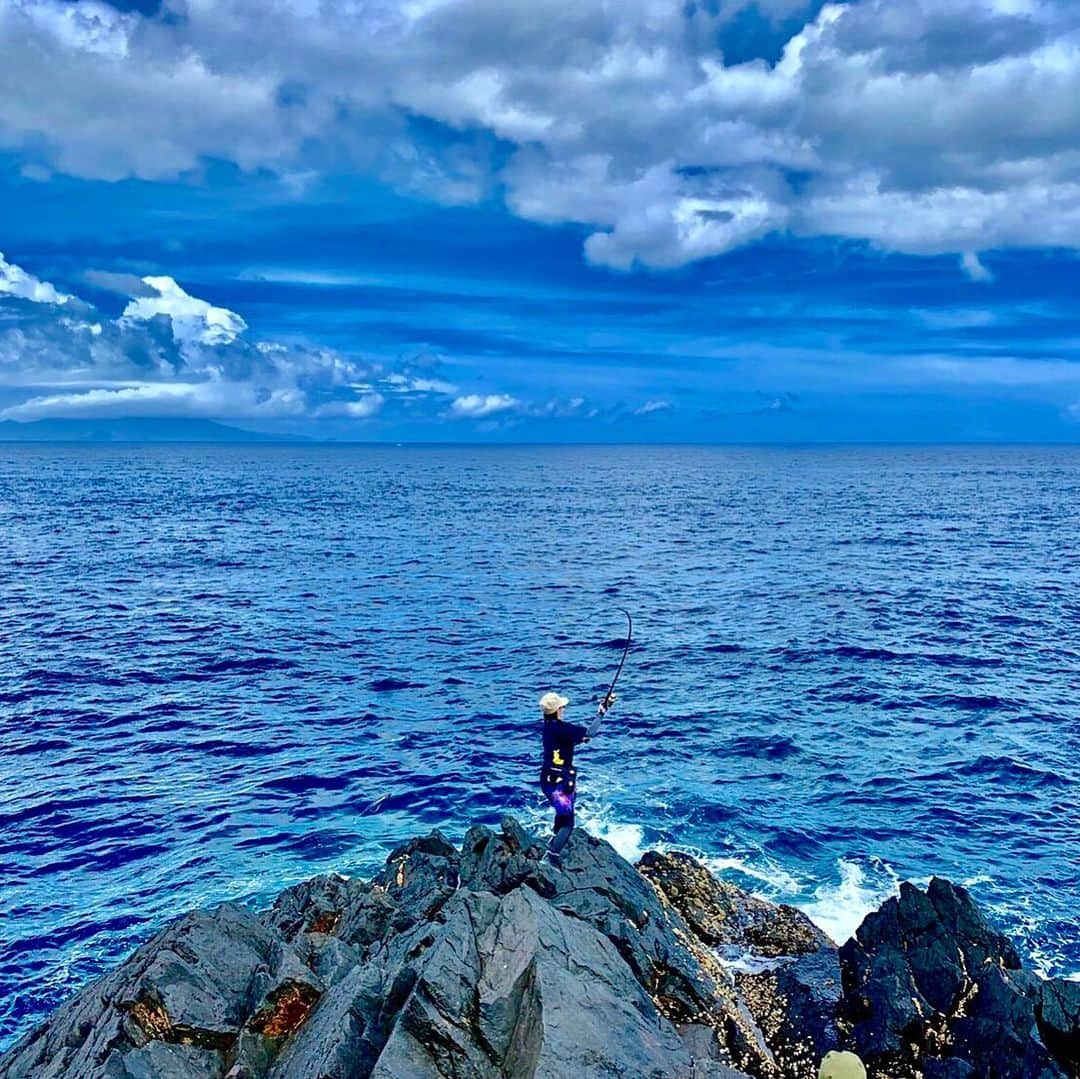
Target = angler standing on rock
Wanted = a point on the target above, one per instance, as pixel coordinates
(558, 776)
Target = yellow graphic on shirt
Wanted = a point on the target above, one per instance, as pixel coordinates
(557, 757)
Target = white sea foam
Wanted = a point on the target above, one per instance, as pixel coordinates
(627, 839)
(1044, 961)
(598, 820)
(1020, 922)
(838, 908)
(760, 867)
(761, 874)
(596, 817)
(966, 882)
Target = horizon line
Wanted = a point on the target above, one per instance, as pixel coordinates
(309, 441)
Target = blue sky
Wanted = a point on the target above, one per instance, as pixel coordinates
(462, 219)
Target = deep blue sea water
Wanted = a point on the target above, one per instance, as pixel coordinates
(223, 669)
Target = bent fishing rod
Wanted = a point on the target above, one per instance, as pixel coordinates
(605, 702)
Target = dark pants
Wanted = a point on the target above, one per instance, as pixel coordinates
(561, 794)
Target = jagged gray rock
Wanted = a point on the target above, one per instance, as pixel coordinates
(930, 988)
(1059, 1020)
(176, 1005)
(795, 1001)
(522, 975)
(488, 963)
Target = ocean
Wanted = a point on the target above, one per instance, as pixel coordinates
(224, 669)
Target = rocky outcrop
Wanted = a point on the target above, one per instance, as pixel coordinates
(786, 970)
(475, 963)
(1058, 1014)
(185, 999)
(485, 962)
(930, 989)
(722, 915)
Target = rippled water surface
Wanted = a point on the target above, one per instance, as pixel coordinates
(226, 668)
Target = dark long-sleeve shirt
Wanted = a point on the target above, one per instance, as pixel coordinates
(560, 738)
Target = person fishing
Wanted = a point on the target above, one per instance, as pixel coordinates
(558, 776)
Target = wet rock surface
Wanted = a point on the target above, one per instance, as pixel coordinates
(790, 976)
(722, 914)
(485, 962)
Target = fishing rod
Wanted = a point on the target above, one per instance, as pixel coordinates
(605, 702)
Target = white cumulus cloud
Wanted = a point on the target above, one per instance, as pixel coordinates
(402, 383)
(949, 127)
(202, 399)
(169, 354)
(15, 281)
(174, 354)
(194, 321)
(478, 405)
(362, 408)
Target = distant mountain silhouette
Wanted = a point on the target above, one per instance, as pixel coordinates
(132, 429)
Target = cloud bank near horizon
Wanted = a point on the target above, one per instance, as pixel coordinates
(168, 354)
(925, 127)
(173, 354)
(734, 363)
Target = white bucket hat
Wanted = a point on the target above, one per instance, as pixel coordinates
(550, 703)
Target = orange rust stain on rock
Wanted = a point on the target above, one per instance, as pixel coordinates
(287, 1012)
(326, 923)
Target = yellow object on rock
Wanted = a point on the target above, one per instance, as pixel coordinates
(838, 1065)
